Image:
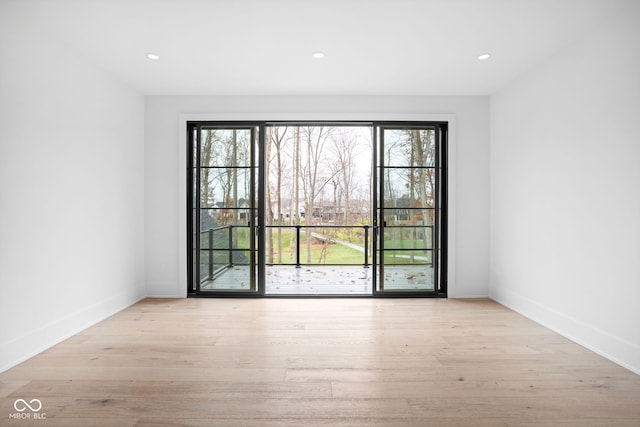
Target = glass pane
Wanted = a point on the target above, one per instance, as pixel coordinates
(225, 147)
(214, 218)
(281, 245)
(400, 216)
(224, 270)
(409, 188)
(225, 187)
(406, 278)
(194, 148)
(212, 262)
(194, 231)
(409, 147)
(226, 237)
(408, 238)
(194, 254)
(194, 189)
(404, 257)
(225, 258)
(318, 245)
(333, 245)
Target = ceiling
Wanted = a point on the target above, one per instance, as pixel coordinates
(265, 47)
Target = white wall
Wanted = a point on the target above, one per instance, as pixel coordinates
(71, 192)
(565, 192)
(164, 229)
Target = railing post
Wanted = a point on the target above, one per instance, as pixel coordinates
(366, 246)
(297, 245)
(210, 253)
(230, 245)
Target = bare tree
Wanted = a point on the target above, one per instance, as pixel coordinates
(278, 140)
(229, 152)
(421, 181)
(344, 148)
(224, 172)
(206, 155)
(423, 154)
(294, 209)
(315, 139)
(268, 201)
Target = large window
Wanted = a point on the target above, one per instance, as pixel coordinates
(317, 208)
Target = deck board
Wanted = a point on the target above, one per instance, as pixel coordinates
(324, 280)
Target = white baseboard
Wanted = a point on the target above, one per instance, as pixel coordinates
(616, 349)
(167, 296)
(20, 349)
(469, 296)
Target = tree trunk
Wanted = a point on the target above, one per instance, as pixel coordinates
(268, 204)
(279, 195)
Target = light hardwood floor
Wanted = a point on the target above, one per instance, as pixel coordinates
(320, 362)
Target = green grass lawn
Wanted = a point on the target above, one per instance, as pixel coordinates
(321, 253)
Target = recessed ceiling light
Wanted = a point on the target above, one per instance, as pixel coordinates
(318, 55)
(484, 56)
(153, 56)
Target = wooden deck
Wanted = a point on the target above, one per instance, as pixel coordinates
(320, 362)
(324, 280)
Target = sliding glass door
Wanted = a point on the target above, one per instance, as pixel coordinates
(224, 209)
(409, 207)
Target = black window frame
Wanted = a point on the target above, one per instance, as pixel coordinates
(441, 209)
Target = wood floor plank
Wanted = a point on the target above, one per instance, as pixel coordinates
(8, 387)
(275, 408)
(374, 422)
(175, 389)
(321, 362)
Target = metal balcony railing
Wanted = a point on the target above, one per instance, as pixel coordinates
(220, 252)
(330, 238)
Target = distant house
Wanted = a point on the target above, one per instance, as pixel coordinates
(222, 208)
